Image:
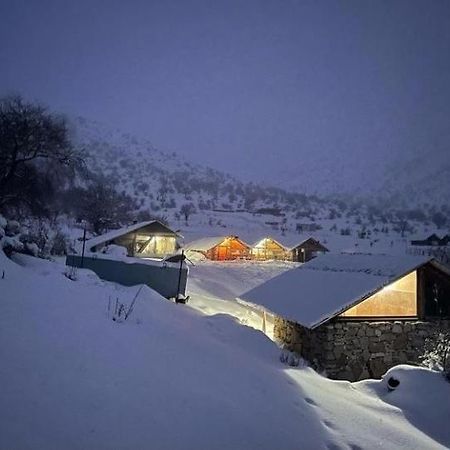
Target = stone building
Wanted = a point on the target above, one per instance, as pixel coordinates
(353, 316)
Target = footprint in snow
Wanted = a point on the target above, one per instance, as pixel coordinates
(329, 424)
(310, 401)
(333, 446)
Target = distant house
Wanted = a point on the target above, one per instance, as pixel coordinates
(220, 248)
(432, 241)
(150, 239)
(354, 316)
(307, 250)
(268, 248)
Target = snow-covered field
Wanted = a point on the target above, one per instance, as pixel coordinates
(172, 377)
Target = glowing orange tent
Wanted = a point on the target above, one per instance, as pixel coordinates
(220, 248)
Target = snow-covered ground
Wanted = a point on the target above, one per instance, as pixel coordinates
(213, 287)
(170, 377)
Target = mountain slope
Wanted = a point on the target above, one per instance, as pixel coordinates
(167, 185)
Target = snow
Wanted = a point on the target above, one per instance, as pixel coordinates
(328, 284)
(116, 251)
(3, 222)
(173, 378)
(204, 244)
(118, 255)
(371, 416)
(91, 243)
(213, 286)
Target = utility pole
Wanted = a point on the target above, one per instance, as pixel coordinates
(179, 277)
(84, 244)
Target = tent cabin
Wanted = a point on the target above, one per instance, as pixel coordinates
(307, 250)
(150, 239)
(220, 248)
(267, 249)
(356, 315)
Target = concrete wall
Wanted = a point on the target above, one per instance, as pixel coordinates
(358, 350)
(162, 277)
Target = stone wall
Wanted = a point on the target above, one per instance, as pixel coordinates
(352, 350)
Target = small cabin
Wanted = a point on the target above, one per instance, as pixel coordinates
(353, 316)
(269, 249)
(142, 250)
(431, 241)
(220, 248)
(151, 239)
(307, 250)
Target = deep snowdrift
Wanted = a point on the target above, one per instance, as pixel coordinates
(171, 378)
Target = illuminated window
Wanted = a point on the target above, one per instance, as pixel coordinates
(268, 249)
(398, 299)
(156, 246)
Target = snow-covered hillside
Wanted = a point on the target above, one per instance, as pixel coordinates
(172, 378)
(422, 180)
(160, 182)
(217, 203)
(410, 181)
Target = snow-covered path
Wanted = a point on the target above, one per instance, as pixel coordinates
(213, 286)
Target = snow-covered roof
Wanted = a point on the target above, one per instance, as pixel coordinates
(113, 234)
(259, 241)
(328, 285)
(205, 244)
(299, 244)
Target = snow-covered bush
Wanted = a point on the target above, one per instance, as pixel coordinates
(11, 244)
(3, 222)
(31, 248)
(37, 232)
(49, 241)
(290, 358)
(60, 244)
(35, 238)
(12, 228)
(437, 352)
(115, 250)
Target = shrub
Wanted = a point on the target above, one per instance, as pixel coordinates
(437, 352)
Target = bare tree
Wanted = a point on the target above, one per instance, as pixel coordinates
(102, 206)
(186, 210)
(29, 134)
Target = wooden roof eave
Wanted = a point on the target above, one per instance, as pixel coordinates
(438, 265)
(306, 240)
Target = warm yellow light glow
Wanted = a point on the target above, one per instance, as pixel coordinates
(399, 299)
(261, 243)
(267, 248)
(158, 246)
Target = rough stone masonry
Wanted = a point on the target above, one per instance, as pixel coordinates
(358, 350)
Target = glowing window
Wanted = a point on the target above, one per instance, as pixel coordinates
(398, 299)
